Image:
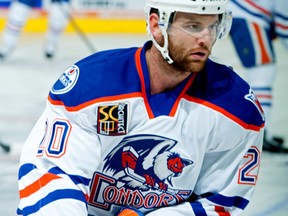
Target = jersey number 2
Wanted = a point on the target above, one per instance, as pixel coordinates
(248, 173)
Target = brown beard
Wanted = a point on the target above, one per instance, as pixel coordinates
(183, 62)
(190, 66)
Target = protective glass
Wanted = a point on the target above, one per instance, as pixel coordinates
(199, 30)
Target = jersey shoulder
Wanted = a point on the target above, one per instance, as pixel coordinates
(224, 90)
(103, 74)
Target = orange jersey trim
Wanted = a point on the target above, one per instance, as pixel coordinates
(89, 103)
(140, 72)
(224, 112)
(188, 84)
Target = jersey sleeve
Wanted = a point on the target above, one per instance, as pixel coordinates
(227, 180)
(281, 21)
(230, 177)
(50, 182)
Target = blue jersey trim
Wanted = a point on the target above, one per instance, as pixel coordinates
(103, 75)
(198, 209)
(222, 200)
(25, 169)
(75, 178)
(221, 86)
(216, 84)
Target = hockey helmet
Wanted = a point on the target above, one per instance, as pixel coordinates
(168, 8)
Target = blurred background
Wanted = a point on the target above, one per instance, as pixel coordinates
(26, 75)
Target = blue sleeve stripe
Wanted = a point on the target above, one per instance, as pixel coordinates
(75, 178)
(282, 16)
(25, 169)
(262, 88)
(219, 199)
(281, 35)
(198, 209)
(51, 197)
(266, 104)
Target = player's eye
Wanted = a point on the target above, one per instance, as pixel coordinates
(194, 28)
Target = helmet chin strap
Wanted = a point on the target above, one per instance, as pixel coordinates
(163, 50)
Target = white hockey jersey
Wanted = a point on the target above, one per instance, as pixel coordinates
(104, 142)
(267, 13)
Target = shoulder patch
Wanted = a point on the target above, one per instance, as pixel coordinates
(66, 81)
(252, 98)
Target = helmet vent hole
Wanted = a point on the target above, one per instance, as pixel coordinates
(203, 8)
(218, 8)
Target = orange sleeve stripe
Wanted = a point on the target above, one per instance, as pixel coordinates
(285, 27)
(35, 186)
(263, 10)
(264, 96)
(264, 55)
(221, 211)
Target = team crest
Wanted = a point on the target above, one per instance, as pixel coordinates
(252, 97)
(139, 171)
(66, 81)
(112, 119)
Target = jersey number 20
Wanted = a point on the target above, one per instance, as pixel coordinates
(57, 142)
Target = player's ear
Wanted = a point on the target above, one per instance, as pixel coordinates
(154, 25)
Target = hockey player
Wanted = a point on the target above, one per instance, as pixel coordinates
(17, 17)
(5, 148)
(155, 130)
(262, 21)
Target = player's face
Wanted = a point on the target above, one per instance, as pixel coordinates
(191, 37)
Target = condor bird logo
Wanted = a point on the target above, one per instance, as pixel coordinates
(146, 162)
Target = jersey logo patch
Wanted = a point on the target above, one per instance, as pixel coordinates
(252, 97)
(112, 119)
(139, 172)
(66, 81)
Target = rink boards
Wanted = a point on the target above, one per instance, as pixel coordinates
(88, 22)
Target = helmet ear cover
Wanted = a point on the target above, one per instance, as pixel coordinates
(225, 24)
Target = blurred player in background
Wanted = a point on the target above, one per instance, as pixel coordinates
(17, 17)
(154, 130)
(4, 147)
(256, 23)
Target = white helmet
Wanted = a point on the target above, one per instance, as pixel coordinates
(168, 7)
